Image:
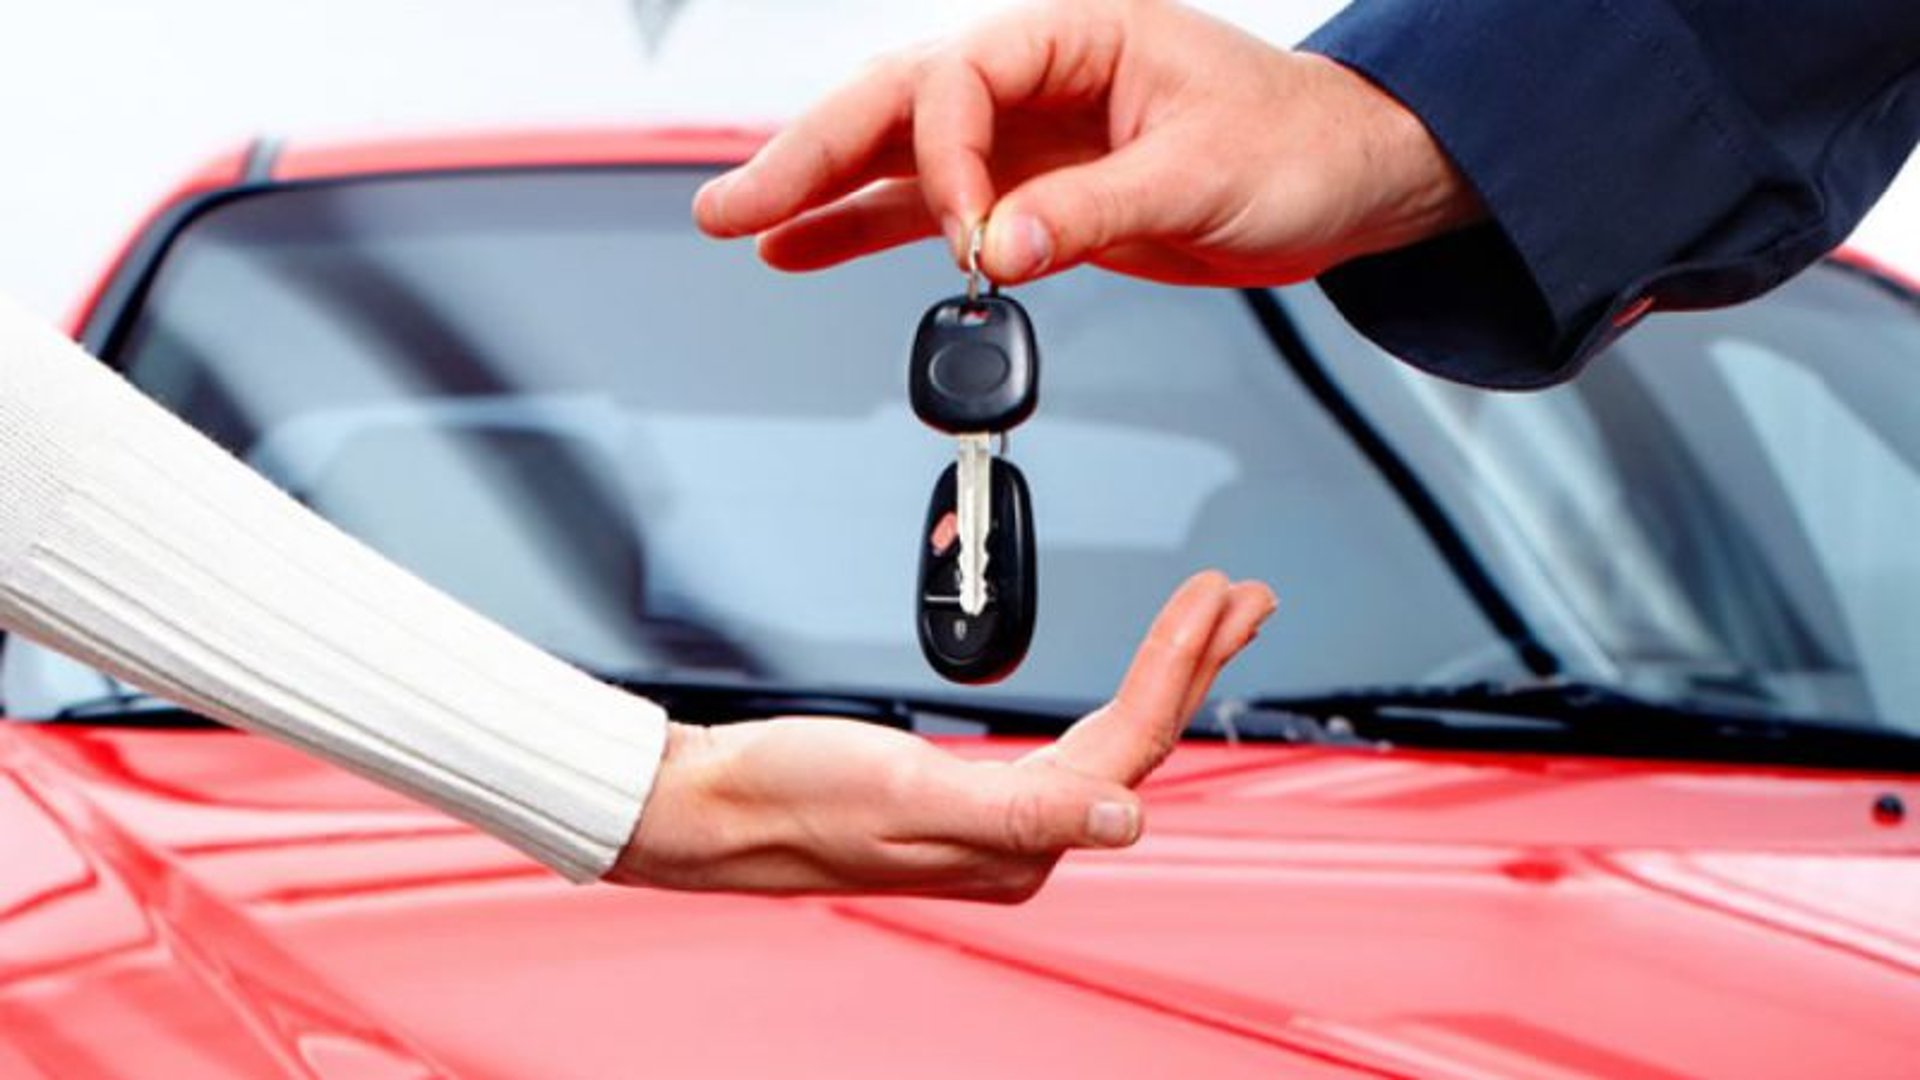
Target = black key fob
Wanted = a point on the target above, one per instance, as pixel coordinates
(986, 647)
(974, 365)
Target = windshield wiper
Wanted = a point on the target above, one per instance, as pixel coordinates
(717, 701)
(1590, 718)
(1548, 717)
(720, 701)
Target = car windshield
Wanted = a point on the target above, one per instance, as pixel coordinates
(1723, 507)
(645, 451)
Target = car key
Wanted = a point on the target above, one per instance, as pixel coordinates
(975, 372)
(985, 645)
(973, 474)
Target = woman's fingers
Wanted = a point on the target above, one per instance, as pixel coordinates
(1198, 633)
(1033, 812)
(1248, 605)
(1123, 740)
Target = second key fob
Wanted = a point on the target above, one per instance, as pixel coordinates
(985, 647)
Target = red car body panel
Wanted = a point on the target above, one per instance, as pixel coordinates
(208, 904)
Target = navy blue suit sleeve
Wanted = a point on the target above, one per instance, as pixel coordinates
(1633, 155)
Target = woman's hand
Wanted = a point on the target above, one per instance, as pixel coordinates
(1138, 135)
(814, 804)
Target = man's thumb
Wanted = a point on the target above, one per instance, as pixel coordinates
(1066, 216)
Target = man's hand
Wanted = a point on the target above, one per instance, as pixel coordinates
(814, 804)
(1138, 135)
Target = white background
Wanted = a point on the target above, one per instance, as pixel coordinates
(109, 102)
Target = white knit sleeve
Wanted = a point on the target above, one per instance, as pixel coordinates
(130, 541)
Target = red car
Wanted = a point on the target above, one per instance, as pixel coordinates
(1585, 742)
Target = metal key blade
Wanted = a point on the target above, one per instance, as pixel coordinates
(974, 499)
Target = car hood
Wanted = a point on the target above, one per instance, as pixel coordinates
(204, 903)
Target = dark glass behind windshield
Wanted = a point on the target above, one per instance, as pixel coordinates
(645, 451)
(1724, 509)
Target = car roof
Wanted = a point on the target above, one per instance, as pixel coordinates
(507, 149)
(268, 160)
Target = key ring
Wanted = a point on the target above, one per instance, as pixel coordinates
(976, 239)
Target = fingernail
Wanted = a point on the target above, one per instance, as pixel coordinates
(1113, 824)
(1210, 580)
(1021, 246)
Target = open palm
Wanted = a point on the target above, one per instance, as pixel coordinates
(821, 804)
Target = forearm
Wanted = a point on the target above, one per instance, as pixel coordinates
(129, 540)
